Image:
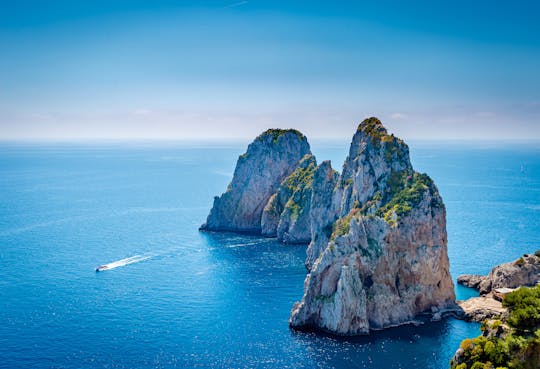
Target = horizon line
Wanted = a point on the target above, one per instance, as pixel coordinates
(90, 140)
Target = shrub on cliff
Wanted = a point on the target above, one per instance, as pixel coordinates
(524, 306)
(520, 348)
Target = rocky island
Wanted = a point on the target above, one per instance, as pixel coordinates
(270, 192)
(377, 254)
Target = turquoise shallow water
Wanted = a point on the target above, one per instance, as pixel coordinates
(211, 300)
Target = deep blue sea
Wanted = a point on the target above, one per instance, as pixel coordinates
(212, 300)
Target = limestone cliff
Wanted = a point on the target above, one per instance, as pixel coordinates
(259, 173)
(286, 215)
(294, 224)
(378, 253)
(324, 209)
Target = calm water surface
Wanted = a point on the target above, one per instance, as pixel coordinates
(211, 300)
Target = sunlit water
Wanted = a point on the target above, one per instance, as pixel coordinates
(190, 299)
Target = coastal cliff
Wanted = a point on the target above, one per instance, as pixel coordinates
(382, 257)
(287, 213)
(268, 161)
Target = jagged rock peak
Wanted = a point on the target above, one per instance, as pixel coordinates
(371, 131)
(374, 158)
(378, 255)
(269, 159)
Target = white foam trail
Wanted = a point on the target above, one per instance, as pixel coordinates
(242, 245)
(122, 262)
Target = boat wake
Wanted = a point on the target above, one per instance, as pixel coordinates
(122, 262)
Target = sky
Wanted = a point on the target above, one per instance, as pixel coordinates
(213, 69)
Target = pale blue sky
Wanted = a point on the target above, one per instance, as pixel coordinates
(230, 69)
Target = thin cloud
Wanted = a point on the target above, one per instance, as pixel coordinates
(234, 5)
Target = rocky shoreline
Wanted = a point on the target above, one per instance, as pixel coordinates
(503, 278)
(478, 309)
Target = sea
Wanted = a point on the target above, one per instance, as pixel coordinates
(178, 298)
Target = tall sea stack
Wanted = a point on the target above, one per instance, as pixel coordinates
(381, 258)
(377, 254)
(269, 160)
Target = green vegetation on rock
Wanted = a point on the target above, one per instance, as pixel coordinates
(302, 177)
(524, 306)
(298, 184)
(276, 133)
(393, 146)
(293, 207)
(514, 344)
(342, 226)
(373, 127)
(405, 191)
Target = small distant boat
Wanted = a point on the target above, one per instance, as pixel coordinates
(122, 262)
(101, 268)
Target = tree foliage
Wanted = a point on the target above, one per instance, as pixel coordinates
(519, 348)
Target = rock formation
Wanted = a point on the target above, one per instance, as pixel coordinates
(470, 280)
(271, 178)
(325, 201)
(478, 309)
(381, 258)
(377, 252)
(286, 214)
(524, 271)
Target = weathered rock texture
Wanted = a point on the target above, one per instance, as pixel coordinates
(324, 209)
(470, 280)
(286, 214)
(257, 184)
(377, 233)
(524, 271)
(478, 309)
(378, 253)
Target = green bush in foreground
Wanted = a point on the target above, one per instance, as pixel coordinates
(524, 306)
(519, 348)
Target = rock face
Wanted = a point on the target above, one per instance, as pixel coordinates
(324, 209)
(286, 214)
(470, 280)
(378, 253)
(257, 184)
(478, 309)
(524, 271)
